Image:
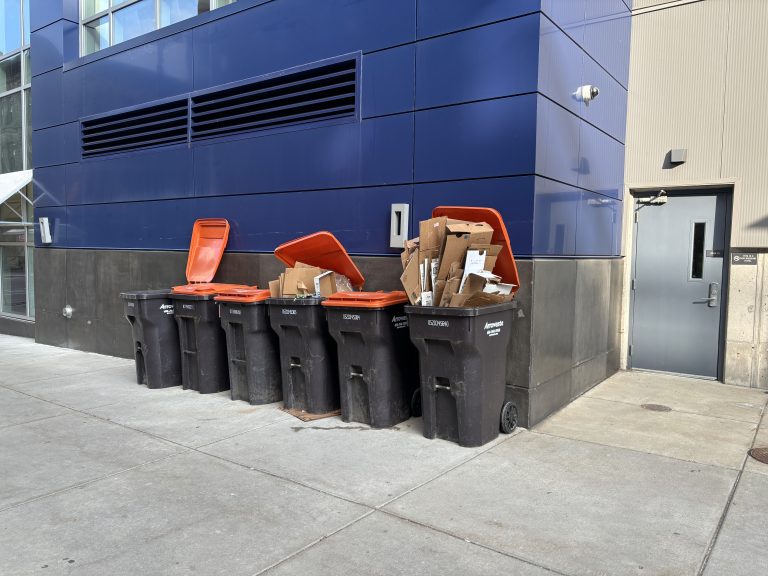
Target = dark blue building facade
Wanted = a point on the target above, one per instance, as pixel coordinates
(452, 102)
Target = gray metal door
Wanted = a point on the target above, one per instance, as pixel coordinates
(678, 285)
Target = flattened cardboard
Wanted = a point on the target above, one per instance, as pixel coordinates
(274, 289)
(325, 284)
(458, 238)
(431, 234)
(410, 280)
(300, 281)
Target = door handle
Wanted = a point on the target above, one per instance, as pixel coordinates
(713, 300)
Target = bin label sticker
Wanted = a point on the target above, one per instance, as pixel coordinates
(131, 304)
(167, 309)
(289, 311)
(235, 312)
(188, 306)
(400, 322)
(438, 323)
(744, 259)
(493, 328)
(351, 316)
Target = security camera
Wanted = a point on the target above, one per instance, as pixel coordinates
(586, 93)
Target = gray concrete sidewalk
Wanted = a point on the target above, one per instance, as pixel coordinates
(99, 475)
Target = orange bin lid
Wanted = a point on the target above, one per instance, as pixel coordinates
(323, 250)
(365, 299)
(505, 263)
(209, 239)
(244, 294)
(205, 288)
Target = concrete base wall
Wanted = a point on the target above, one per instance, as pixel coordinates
(15, 327)
(566, 339)
(746, 345)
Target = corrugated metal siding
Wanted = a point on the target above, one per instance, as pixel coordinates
(745, 141)
(676, 97)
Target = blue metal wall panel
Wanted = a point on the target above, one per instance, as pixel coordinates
(373, 152)
(557, 143)
(288, 33)
(607, 35)
(513, 197)
(555, 215)
(487, 62)
(483, 139)
(49, 46)
(602, 162)
(160, 173)
(260, 222)
(443, 16)
(48, 96)
(388, 81)
(45, 12)
(57, 145)
(609, 111)
(50, 186)
(150, 72)
(561, 63)
(596, 230)
(569, 15)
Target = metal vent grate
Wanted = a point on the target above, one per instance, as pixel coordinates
(155, 125)
(320, 93)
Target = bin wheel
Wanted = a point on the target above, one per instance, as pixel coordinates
(416, 403)
(508, 418)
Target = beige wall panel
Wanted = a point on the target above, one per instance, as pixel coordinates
(676, 95)
(745, 141)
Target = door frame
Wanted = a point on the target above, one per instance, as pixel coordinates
(628, 249)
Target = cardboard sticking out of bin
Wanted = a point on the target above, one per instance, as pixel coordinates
(305, 416)
(462, 257)
(317, 266)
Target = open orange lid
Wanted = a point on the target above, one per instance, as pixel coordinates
(205, 288)
(244, 294)
(365, 299)
(505, 263)
(323, 250)
(209, 239)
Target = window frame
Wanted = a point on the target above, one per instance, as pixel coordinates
(28, 226)
(110, 11)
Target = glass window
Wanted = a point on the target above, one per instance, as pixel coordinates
(10, 73)
(28, 129)
(96, 35)
(25, 10)
(172, 11)
(11, 156)
(10, 26)
(134, 20)
(220, 3)
(91, 7)
(13, 281)
(10, 211)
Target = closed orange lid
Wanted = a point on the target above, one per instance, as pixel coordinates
(505, 263)
(365, 299)
(323, 250)
(209, 239)
(204, 288)
(244, 294)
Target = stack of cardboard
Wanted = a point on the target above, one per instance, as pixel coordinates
(305, 281)
(451, 264)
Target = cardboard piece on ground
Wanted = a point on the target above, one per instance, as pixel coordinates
(307, 417)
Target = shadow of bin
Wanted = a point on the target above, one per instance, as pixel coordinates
(308, 362)
(378, 366)
(155, 337)
(252, 346)
(463, 353)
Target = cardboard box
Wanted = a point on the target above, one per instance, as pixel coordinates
(458, 238)
(431, 234)
(300, 280)
(411, 280)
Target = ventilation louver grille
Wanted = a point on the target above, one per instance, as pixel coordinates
(155, 125)
(317, 94)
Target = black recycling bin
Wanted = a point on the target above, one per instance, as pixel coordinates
(252, 346)
(203, 343)
(307, 354)
(155, 337)
(463, 360)
(378, 365)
